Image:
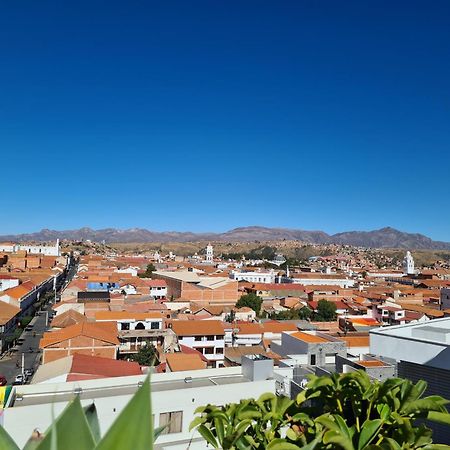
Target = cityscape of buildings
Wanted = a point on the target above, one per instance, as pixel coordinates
(83, 321)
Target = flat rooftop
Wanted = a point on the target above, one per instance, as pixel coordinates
(437, 330)
(122, 386)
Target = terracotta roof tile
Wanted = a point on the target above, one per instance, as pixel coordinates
(197, 328)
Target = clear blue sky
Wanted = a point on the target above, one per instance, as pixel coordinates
(207, 115)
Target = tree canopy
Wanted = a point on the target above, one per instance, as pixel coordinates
(148, 271)
(146, 356)
(252, 301)
(326, 311)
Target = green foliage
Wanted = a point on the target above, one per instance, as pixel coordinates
(341, 412)
(293, 314)
(146, 356)
(24, 321)
(326, 311)
(252, 301)
(148, 271)
(77, 428)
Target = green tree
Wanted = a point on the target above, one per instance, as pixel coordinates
(326, 311)
(146, 356)
(252, 301)
(148, 271)
(292, 314)
(341, 412)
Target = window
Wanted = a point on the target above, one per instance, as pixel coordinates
(209, 338)
(124, 326)
(198, 338)
(209, 350)
(313, 360)
(219, 350)
(139, 326)
(219, 337)
(154, 325)
(173, 420)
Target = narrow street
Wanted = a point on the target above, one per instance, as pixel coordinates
(11, 362)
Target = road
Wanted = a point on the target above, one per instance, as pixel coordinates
(11, 364)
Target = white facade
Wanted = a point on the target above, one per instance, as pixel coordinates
(344, 283)
(158, 292)
(47, 250)
(254, 277)
(130, 323)
(408, 264)
(212, 347)
(133, 271)
(171, 394)
(8, 283)
(209, 253)
(420, 343)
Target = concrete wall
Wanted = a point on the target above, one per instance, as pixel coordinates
(410, 349)
(21, 421)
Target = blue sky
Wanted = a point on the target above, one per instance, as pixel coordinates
(208, 115)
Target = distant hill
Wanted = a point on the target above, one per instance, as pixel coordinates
(383, 238)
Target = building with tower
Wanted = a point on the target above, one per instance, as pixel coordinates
(408, 264)
(209, 253)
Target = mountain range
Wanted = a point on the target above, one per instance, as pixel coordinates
(383, 238)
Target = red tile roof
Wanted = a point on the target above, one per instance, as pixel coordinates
(86, 367)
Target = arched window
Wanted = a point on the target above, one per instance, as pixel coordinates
(139, 326)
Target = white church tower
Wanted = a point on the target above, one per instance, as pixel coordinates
(209, 253)
(408, 264)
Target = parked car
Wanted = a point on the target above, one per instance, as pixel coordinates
(28, 327)
(20, 379)
(3, 380)
(29, 372)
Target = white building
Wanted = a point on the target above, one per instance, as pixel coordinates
(46, 250)
(317, 279)
(254, 277)
(420, 343)
(408, 264)
(8, 282)
(205, 336)
(175, 396)
(158, 289)
(132, 321)
(133, 271)
(209, 253)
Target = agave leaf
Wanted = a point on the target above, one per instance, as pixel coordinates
(127, 430)
(6, 441)
(90, 412)
(70, 431)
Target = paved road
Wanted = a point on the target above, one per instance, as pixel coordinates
(11, 364)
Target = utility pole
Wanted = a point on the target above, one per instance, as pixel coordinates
(23, 365)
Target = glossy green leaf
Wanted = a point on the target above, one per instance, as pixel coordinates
(281, 444)
(369, 432)
(207, 436)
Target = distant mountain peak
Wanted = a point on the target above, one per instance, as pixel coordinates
(386, 237)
